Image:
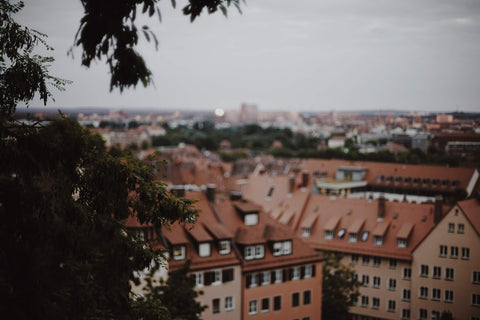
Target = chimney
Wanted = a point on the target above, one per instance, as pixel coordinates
(178, 191)
(291, 183)
(211, 192)
(437, 209)
(305, 178)
(381, 208)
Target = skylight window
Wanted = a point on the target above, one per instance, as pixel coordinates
(341, 233)
(365, 235)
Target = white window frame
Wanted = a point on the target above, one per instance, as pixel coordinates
(353, 237)
(448, 296)
(476, 277)
(437, 272)
(249, 252)
(461, 228)
(423, 292)
(443, 250)
(229, 303)
(278, 276)
(217, 277)
(296, 273)
(424, 270)
(436, 294)
(378, 240)
(407, 273)
(406, 294)
(453, 252)
(377, 261)
(402, 243)
(449, 274)
(376, 282)
(390, 282)
(179, 255)
(199, 279)
(251, 219)
(364, 301)
(465, 253)
(306, 232)
(329, 234)
(253, 280)
(308, 271)
(224, 247)
(252, 307)
(375, 303)
(265, 278)
(391, 305)
(204, 249)
(259, 251)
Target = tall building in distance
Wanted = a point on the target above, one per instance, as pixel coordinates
(248, 113)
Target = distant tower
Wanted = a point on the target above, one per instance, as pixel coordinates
(249, 113)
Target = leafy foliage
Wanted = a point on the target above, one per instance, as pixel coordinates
(65, 252)
(171, 299)
(339, 288)
(22, 73)
(108, 30)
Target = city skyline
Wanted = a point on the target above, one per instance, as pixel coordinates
(309, 56)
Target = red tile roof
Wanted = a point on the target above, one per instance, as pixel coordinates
(471, 208)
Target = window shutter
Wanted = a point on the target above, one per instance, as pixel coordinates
(285, 275)
(302, 272)
(260, 278)
(273, 276)
(313, 270)
(209, 276)
(249, 281)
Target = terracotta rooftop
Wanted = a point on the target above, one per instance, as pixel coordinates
(360, 216)
(471, 208)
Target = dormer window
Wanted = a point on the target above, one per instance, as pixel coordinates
(407, 180)
(224, 247)
(251, 219)
(281, 248)
(416, 180)
(352, 237)
(398, 179)
(378, 240)
(434, 182)
(379, 178)
(341, 233)
(306, 232)
(179, 252)
(204, 249)
(388, 179)
(328, 234)
(254, 252)
(402, 243)
(425, 180)
(365, 235)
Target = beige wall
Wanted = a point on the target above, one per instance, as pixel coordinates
(285, 290)
(383, 292)
(221, 291)
(428, 253)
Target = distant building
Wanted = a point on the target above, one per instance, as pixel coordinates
(336, 142)
(444, 118)
(420, 141)
(249, 113)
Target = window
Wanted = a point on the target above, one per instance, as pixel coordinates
(377, 240)
(451, 227)
(402, 243)
(435, 315)
(265, 278)
(393, 263)
(308, 271)
(306, 232)
(388, 179)
(424, 270)
(265, 305)
(277, 303)
(425, 180)
(407, 273)
(249, 252)
(354, 258)
(365, 260)
(392, 284)
(216, 305)
(365, 235)
(204, 249)
(282, 248)
(476, 277)
(295, 299)
(475, 299)
(423, 292)
(449, 274)
(278, 276)
(437, 272)
(448, 295)
(341, 233)
(436, 294)
(251, 219)
(375, 303)
(407, 179)
(217, 277)
(379, 178)
(461, 228)
(328, 235)
(296, 273)
(198, 279)
(270, 192)
(376, 282)
(466, 253)
(435, 182)
(423, 314)
(259, 251)
(307, 297)
(253, 280)
(416, 180)
(229, 303)
(391, 306)
(352, 237)
(377, 261)
(398, 179)
(405, 314)
(365, 280)
(364, 301)
(443, 251)
(224, 247)
(252, 307)
(453, 252)
(406, 294)
(178, 252)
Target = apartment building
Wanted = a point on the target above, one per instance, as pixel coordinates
(281, 275)
(446, 266)
(414, 260)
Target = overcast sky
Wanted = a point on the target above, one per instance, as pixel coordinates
(312, 55)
